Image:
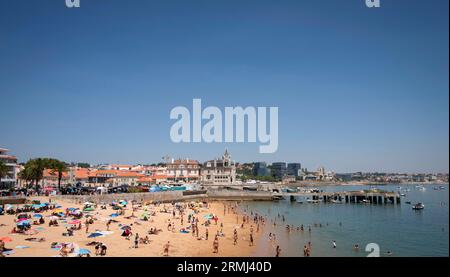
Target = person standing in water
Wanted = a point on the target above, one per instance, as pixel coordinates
(334, 244)
(278, 251)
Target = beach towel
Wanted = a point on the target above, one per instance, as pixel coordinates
(83, 251)
(22, 247)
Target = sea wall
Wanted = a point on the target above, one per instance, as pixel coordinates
(166, 196)
(12, 200)
(239, 195)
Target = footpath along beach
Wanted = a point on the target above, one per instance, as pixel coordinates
(38, 240)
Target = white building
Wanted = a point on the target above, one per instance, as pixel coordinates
(219, 171)
(10, 180)
(186, 171)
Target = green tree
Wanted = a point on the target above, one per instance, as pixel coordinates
(34, 170)
(58, 167)
(3, 170)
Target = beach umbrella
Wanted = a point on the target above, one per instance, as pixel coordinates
(94, 235)
(6, 239)
(22, 216)
(83, 251)
(58, 206)
(114, 215)
(125, 227)
(58, 211)
(72, 209)
(88, 209)
(37, 215)
(54, 217)
(8, 207)
(22, 219)
(75, 222)
(23, 223)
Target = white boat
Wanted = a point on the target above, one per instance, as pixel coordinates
(365, 201)
(402, 194)
(418, 206)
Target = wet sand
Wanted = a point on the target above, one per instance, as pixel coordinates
(181, 245)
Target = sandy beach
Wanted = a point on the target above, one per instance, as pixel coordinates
(181, 244)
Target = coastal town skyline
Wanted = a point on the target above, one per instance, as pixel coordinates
(167, 159)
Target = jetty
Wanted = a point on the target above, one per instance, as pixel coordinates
(372, 197)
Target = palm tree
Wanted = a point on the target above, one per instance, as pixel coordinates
(34, 170)
(3, 171)
(59, 167)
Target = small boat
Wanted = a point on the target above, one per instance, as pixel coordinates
(402, 194)
(365, 201)
(441, 187)
(299, 201)
(408, 202)
(277, 197)
(418, 206)
(436, 188)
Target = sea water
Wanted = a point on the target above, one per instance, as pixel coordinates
(398, 230)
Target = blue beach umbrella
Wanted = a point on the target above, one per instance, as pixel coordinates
(37, 215)
(114, 215)
(23, 223)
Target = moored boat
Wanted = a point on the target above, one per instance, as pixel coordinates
(418, 206)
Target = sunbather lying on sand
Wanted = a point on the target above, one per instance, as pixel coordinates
(35, 239)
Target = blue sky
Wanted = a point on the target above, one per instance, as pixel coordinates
(357, 88)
